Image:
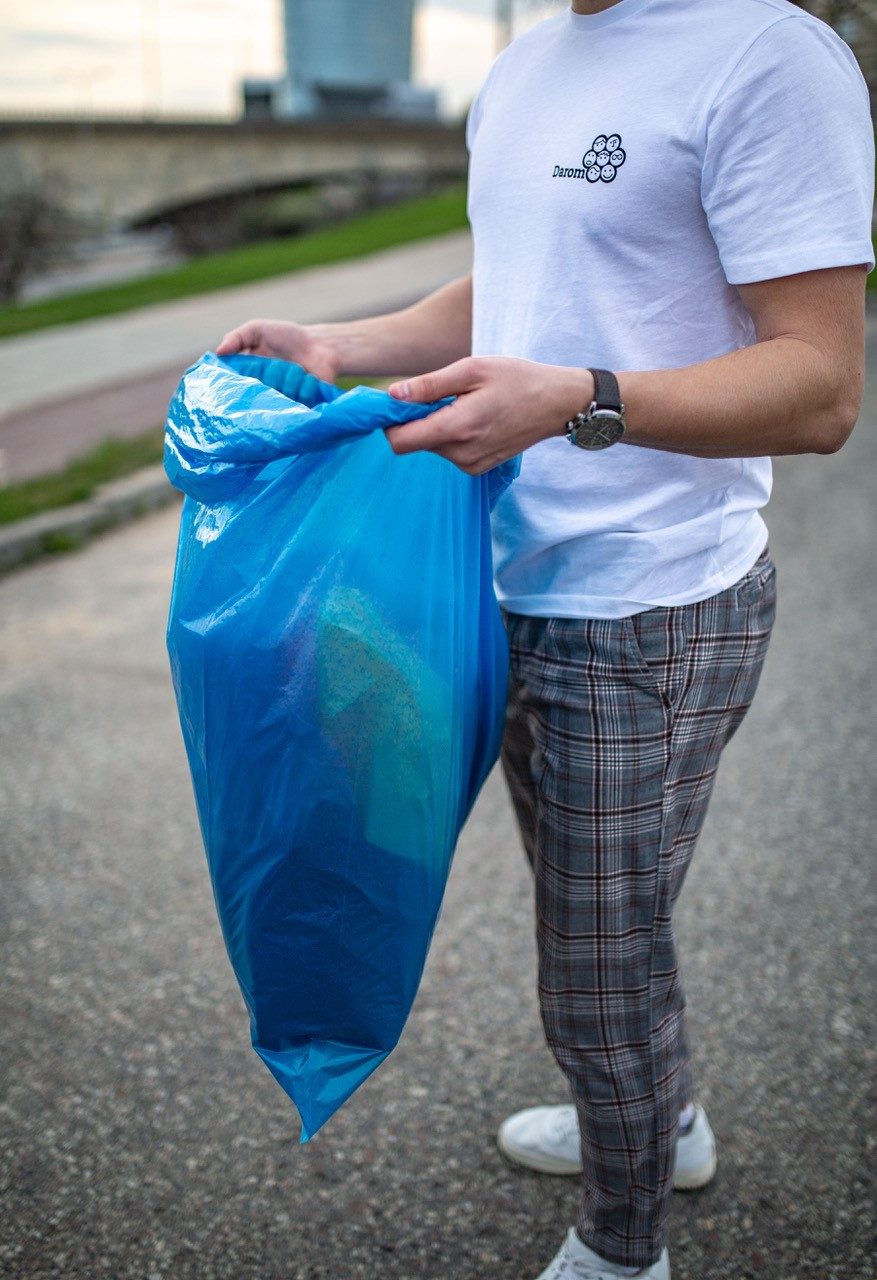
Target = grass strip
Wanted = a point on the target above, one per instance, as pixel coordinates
(381, 229)
(110, 460)
(78, 481)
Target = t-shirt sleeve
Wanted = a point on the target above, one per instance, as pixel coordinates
(788, 172)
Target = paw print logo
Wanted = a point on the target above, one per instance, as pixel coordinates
(604, 159)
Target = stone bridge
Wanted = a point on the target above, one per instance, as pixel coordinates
(129, 172)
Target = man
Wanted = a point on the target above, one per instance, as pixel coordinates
(670, 202)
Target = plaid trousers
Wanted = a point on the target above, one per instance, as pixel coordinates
(613, 738)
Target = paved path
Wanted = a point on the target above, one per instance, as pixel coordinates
(64, 389)
(142, 1138)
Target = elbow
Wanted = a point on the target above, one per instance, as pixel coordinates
(835, 429)
(834, 425)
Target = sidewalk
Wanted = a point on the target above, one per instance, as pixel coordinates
(64, 389)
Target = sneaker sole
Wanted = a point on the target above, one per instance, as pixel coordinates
(692, 1180)
(534, 1160)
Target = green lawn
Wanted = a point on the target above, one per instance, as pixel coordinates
(380, 229)
(78, 481)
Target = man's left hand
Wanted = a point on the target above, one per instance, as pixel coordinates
(502, 407)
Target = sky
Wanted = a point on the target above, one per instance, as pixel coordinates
(187, 57)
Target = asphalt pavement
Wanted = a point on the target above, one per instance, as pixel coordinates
(141, 1137)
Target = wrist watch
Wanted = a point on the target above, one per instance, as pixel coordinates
(603, 422)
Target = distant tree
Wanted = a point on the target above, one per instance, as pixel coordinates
(36, 232)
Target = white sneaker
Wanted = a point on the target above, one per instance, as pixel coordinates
(547, 1139)
(577, 1262)
(695, 1155)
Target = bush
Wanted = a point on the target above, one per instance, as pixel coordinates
(35, 232)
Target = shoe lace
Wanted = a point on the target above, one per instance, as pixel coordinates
(577, 1271)
(565, 1124)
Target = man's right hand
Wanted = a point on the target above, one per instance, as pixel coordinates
(284, 341)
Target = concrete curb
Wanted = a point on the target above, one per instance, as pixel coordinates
(67, 528)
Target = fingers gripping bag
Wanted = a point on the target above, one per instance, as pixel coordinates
(340, 669)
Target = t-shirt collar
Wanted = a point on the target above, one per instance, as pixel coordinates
(593, 21)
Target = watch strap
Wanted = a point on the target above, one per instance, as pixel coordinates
(607, 393)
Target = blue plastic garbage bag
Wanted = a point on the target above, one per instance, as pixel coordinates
(340, 669)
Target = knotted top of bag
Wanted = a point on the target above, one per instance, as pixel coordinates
(233, 415)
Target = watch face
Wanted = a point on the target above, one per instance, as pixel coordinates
(598, 430)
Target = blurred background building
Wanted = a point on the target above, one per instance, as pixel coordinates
(346, 58)
(187, 59)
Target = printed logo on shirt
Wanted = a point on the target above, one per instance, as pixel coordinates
(600, 163)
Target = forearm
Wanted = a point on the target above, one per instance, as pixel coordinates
(435, 331)
(780, 396)
(797, 390)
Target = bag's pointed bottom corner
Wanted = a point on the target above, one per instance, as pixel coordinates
(319, 1076)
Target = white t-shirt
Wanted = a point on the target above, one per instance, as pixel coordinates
(627, 170)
